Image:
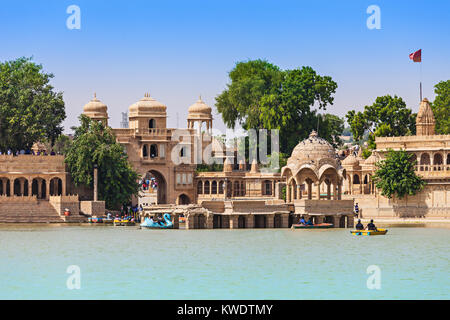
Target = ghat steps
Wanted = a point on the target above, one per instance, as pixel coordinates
(39, 212)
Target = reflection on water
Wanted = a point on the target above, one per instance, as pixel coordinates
(128, 263)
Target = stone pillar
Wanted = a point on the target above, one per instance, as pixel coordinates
(329, 191)
(288, 193)
(269, 220)
(335, 192)
(30, 187)
(209, 220)
(4, 184)
(339, 192)
(309, 191)
(336, 220)
(63, 185)
(11, 187)
(234, 221)
(350, 221)
(285, 220)
(95, 183)
(190, 221)
(250, 221)
(176, 220)
(225, 222)
(318, 190)
(47, 189)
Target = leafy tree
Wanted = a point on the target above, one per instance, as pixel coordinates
(96, 144)
(387, 117)
(441, 107)
(262, 96)
(331, 128)
(30, 109)
(61, 146)
(395, 175)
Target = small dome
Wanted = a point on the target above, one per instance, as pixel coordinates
(95, 108)
(312, 148)
(425, 114)
(146, 106)
(351, 160)
(200, 108)
(371, 160)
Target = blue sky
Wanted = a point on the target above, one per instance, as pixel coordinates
(177, 50)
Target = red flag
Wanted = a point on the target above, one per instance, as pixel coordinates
(416, 56)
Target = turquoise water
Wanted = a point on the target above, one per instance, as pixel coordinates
(128, 263)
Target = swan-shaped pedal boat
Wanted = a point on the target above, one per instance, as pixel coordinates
(150, 224)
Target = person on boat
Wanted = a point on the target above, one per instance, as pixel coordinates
(160, 220)
(359, 225)
(371, 226)
(309, 223)
(302, 221)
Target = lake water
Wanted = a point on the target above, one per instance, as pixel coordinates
(128, 263)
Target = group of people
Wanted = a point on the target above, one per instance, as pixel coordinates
(149, 183)
(159, 220)
(370, 226)
(306, 223)
(31, 152)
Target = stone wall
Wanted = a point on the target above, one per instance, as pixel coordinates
(433, 202)
(60, 203)
(323, 206)
(92, 208)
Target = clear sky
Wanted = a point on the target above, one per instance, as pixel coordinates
(177, 50)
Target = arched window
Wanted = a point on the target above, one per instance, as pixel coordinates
(438, 161)
(151, 123)
(144, 151)
(206, 187)
(267, 187)
(356, 179)
(182, 152)
(200, 187)
(242, 188)
(153, 151)
(221, 187)
(424, 161)
(214, 187)
(236, 188)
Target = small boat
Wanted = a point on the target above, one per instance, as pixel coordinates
(122, 223)
(150, 224)
(95, 219)
(369, 232)
(314, 226)
(108, 221)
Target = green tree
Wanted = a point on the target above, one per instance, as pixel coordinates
(30, 109)
(395, 175)
(441, 107)
(262, 96)
(331, 128)
(95, 144)
(61, 146)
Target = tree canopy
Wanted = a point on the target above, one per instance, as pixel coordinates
(262, 96)
(441, 107)
(95, 144)
(30, 109)
(387, 117)
(395, 175)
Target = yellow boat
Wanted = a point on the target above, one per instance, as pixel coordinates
(369, 232)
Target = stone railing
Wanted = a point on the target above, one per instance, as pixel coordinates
(412, 138)
(433, 171)
(18, 199)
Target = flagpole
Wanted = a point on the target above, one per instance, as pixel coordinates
(420, 81)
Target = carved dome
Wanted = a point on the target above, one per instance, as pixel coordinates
(312, 150)
(147, 106)
(95, 109)
(199, 109)
(351, 160)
